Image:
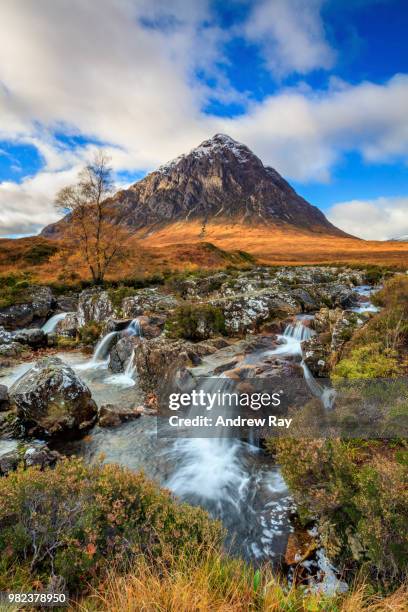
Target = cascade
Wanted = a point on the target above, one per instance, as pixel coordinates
(50, 325)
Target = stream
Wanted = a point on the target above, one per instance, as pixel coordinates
(234, 480)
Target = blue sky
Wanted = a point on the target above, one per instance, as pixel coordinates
(317, 88)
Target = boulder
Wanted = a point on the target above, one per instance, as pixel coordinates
(112, 416)
(51, 401)
(121, 353)
(245, 313)
(68, 326)
(158, 360)
(149, 300)
(36, 453)
(67, 303)
(5, 336)
(34, 338)
(13, 349)
(38, 306)
(4, 398)
(94, 305)
(316, 355)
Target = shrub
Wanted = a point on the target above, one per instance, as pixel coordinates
(356, 490)
(196, 322)
(40, 253)
(90, 332)
(77, 521)
(14, 289)
(369, 361)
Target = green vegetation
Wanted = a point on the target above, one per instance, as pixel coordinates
(40, 253)
(14, 289)
(357, 488)
(90, 333)
(79, 521)
(369, 361)
(115, 541)
(196, 322)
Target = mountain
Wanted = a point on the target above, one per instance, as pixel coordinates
(400, 238)
(219, 181)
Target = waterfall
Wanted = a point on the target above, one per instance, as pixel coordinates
(101, 351)
(52, 323)
(126, 378)
(298, 332)
(134, 328)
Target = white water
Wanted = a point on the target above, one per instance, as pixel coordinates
(52, 323)
(101, 358)
(126, 378)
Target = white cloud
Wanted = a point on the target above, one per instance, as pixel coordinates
(378, 219)
(291, 35)
(123, 72)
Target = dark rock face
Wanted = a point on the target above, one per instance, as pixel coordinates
(222, 180)
(36, 310)
(51, 401)
(121, 353)
(4, 398)
(34, 338)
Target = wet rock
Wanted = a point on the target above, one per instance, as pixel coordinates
(51, 401)
(34, 338)
(300, 546)
(158, 360)
(36, 453)
(307, 300)
(94, 305)
(149, 300)
(112, 416)
(39, 305)
(4, 398)
(121, 353)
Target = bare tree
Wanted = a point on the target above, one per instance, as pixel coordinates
(93, 222)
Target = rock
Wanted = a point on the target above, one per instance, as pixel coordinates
(121, 353)
(5, 336)
(67, 303)
(316, 355)
(4, 398)
(68, 326)
(149, 300)
(306, 299)
(94, 305)
(246, 312)
(300, 547)
(36, 309)
(158, 360)
(112, 416)
(34, 338)
(14, 349)
(51, 401)
(36, 453)
(152, 326)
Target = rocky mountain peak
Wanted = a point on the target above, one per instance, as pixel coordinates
(220, 147)
(221, 180)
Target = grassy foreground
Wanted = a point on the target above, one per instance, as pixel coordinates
(115, 541)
